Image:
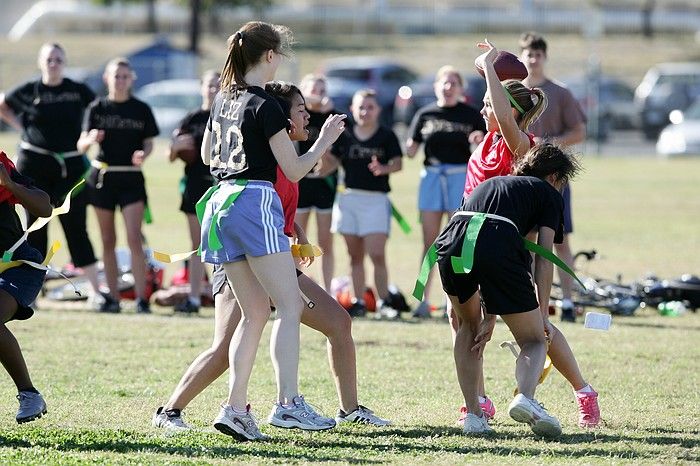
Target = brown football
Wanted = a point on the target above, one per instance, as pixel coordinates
(186, 155)
(507, 66)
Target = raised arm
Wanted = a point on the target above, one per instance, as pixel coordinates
(516, 140)
(296, 167)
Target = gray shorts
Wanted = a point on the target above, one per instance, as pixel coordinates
(359, 212)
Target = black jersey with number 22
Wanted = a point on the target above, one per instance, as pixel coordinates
(241, 126)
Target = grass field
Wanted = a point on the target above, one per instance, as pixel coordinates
(103, 375)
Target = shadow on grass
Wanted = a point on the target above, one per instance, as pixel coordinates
(196, 446)
(557, 445)
(411, 441)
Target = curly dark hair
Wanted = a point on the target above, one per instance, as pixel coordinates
(547, 159)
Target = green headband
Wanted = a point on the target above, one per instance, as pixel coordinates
(512, 101)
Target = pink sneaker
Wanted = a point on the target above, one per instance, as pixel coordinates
(487, 407)
(588, 410)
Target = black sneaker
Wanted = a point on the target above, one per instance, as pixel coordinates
(109, 304)
(357, 309)
(142, 306)
(186, 307)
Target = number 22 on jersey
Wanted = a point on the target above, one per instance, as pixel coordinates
(227, 139)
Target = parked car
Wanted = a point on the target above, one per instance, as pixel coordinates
(420, 93)
(682, 136)
(610, 106)
(171, 100)
(347, 75)
(666, 87)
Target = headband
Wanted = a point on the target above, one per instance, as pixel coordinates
(513, 102)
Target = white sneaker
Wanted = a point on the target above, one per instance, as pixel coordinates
(361, 415)
(31, 406)
(387, 312)
(529, 411)
(474, 424)
(300, 415)
(169, 420)
(239, 426)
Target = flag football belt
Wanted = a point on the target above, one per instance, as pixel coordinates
(6, 261)
(298, 250)
(443, 172)
(59, 157)
(465, 261)
(201, 206)
(103, 168)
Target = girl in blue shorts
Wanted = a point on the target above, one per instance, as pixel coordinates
(246, 138)
(19, 285)
(446, 129)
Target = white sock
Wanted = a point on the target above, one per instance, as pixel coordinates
(586, 389)
(567, 303)
(238, 411)
(482, 399)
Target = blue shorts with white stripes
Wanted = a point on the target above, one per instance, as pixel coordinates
(253, 225)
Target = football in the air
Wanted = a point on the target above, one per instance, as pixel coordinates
(507, 66)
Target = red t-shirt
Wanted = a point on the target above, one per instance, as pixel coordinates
(491, 158)
(289, 195)
(5, 194)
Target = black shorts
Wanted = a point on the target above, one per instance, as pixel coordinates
(218, 280)
(46, 173)
(24, 282)
(118, 189)
(501, 269)
(317, 193)
(194, 189)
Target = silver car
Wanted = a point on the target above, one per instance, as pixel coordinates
(170, 100)
(682, 137)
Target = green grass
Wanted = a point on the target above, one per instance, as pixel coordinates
(103, 375)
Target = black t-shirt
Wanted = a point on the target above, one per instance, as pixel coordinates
(355, 155)
(445, 132)
(241, 126)
(127, 124)
(194, 123)
(51, 115)
(10, 226)
(528, 201)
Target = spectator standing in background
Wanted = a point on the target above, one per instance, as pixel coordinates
(563, 123)
(196, 181)
(124, 128)
(446, 128)
(368, 153)
(318, 193)
(49, 114)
